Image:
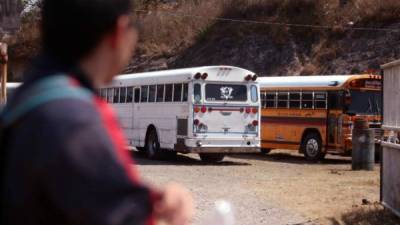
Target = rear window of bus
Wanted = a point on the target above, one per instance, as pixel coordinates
(226, 92)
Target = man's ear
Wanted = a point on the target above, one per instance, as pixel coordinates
(117, 35)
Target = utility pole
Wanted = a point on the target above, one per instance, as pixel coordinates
(3, 72)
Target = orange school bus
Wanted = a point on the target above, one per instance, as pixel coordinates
(315, 114)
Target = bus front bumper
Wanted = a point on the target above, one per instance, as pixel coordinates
(195, 145)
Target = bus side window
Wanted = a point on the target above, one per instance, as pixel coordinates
(129, 94)
(116, 95)
(160, 92)
(104, 94)
(110, 95)
(307, 101)
(294, 100)
(263, 99)
(144, 93)
(283, 98)
(320, 100)
(270, 98)
(185, 92)
(122, 95)
(197, 93)
(137, 95)
(177, 92)
(168, 93)
(152, 93)
(335, 100)
(254, 93)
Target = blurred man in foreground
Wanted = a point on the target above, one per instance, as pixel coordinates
(63, 153)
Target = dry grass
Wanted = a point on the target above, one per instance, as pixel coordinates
(166, 35)
(372, 214)
(367, 11)
(309, 69)
(166, 31)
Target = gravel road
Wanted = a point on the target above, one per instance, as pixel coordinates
(278, 189)
(236, 180)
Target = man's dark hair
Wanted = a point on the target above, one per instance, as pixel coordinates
(71, 29)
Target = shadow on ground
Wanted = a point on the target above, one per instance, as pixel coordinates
(182, 160)
(374, 214)
(284, 157)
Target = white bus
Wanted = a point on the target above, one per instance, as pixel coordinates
(11, 87)
(210, 110)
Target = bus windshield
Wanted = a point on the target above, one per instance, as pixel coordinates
(226, 92)
(365, 102)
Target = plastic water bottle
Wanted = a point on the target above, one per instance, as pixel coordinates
(222, 215)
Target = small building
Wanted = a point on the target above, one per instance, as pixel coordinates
(390, 170)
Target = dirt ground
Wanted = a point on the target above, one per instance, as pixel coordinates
(279, 188)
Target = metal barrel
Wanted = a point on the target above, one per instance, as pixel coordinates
(363, 152)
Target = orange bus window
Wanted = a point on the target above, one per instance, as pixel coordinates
(283, 98)
(320, 100)
(335, 100)
(307, 101)
(294, 102)
(270, 100)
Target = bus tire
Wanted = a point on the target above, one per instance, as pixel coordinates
(265, 151)
(170, 154)
(141, 149)
(211, 157)
(311, 146)
(152, 147)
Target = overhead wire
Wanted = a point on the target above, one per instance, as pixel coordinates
(223, 19)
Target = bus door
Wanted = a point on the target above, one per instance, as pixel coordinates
(335, 120)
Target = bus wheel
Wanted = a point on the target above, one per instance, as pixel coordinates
(152, 145)
(265, 151)
(170, 154)
(211, 157)
(141, 149)
(312, 147)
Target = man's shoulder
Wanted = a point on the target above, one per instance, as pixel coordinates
(67, 111)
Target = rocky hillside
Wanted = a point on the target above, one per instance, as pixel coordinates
(334, 46)
(266, 36)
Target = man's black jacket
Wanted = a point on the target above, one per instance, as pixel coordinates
(64, 162)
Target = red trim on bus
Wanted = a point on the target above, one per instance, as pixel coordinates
(281, 142)
(294, 121)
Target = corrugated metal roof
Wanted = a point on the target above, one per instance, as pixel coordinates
(391, 64)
